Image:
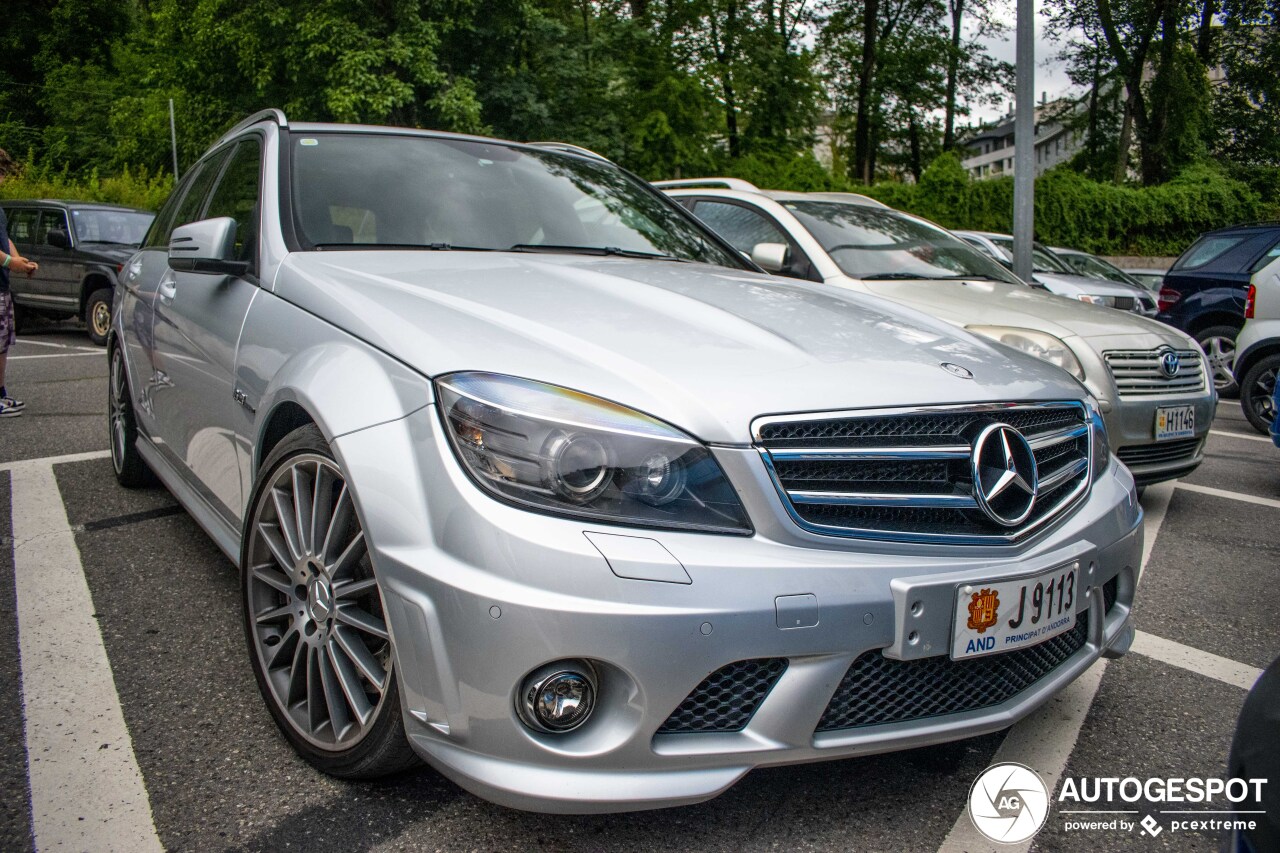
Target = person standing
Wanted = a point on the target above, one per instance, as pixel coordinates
(10, 260)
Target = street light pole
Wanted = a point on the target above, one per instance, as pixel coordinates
(173, 139)
(1024, 138)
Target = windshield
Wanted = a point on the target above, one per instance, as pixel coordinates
(393, 191)
(872, 242)
(1042, 260)
(126, 227)
(1095, 267)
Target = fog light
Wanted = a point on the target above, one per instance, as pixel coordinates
(558, 697)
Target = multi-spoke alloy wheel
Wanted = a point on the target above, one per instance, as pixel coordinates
(1219, 345)
(1257, 393)
(130, 470)
(314, 619)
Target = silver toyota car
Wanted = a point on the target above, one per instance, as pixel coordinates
(532, 477)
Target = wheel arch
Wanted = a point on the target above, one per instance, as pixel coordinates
(93, 281)
(1214, 318)
(340, 387)
(1254, 354)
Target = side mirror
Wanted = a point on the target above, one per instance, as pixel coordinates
(58, 239)
(772, 257)
(207, 246)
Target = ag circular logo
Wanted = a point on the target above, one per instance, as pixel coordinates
(1008, 803)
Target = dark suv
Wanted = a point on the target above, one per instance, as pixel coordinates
(1203, 293)
(80, 247)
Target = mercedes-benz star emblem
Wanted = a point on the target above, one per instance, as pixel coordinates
(1170, 364)
(1004, 474)
(956, 370)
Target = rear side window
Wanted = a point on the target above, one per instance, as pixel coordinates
(1267, 257)
(1206, 249)
(22, 226)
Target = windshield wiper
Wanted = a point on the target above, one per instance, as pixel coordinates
(551, 248)
(897, 276)
(422, 247)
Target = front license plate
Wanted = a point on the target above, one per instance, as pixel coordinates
(1009, 615)
(1175, 422)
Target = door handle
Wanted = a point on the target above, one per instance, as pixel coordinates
(168, 288)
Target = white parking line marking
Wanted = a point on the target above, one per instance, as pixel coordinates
(49, 461)
(1194, 660)
(59, 355)
(87, 792)
(1044, 741)
(1235, 496)
(23, 341)
(1224, 432)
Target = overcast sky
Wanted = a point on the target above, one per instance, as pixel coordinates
(1050, 75)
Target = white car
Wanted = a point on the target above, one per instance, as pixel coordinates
(1149, 378)
(1258, 348)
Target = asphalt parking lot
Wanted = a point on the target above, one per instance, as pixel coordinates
(165, 741)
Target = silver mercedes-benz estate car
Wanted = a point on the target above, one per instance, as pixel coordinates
(531, 476)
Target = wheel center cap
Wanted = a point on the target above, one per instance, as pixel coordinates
(320, 600)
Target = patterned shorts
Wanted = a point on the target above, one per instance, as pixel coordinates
(7, 336)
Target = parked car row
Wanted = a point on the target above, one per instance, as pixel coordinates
(1149, 379)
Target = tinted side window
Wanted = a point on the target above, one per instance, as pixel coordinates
(22, 226)
(743, 228)
(1206, 249)
(158, 235)
(237, 196)
(194, 202)
(50, 220)
(1267, 257)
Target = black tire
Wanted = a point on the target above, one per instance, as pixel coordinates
(97, 315)
(381, 747)
(122, 427)
(1219, 344)
(1256, 389)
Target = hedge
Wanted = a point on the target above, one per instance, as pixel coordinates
(132, 188)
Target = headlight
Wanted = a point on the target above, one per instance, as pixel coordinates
(555, 450)
(1108, 301)
(1040, 344)
(1101, 447)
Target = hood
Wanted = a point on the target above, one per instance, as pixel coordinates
(993, 303)
(1072, 284)
(705, 348)
(115, 253)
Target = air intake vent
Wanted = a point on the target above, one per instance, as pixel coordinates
(727, 699)
(878, 691)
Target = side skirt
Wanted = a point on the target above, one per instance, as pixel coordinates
(223, 534)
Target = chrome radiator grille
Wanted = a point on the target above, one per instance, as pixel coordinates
(1137, 373)
(906, 475)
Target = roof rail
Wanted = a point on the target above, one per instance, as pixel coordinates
(271, 114)
(857, 198)
(572, 149)
(727, 183)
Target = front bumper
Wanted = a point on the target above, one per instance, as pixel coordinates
(1131, 432)
(478, 594)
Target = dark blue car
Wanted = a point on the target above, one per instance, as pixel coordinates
(1203, 293)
